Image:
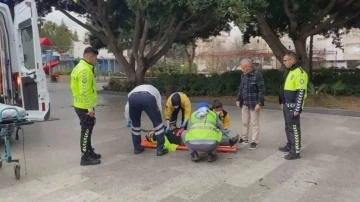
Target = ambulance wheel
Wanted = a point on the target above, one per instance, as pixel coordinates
(17, 171)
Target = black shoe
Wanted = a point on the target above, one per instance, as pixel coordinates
(93, 154)
(234, 140)
(140, 150)
(243, 141)
(285, 148)
(87, 160)
(212, 157)
(253, 146)
(195, 157)
(162, 152)
(292, 156)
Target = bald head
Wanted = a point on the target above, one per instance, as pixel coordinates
(246, 65)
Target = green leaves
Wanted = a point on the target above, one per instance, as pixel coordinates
(59, 35)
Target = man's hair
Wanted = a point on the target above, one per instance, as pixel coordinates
(217, 104)
(292, 55)
(91, 50)
(246, 61)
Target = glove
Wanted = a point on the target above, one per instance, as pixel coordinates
(183, 125)
(167, 131)
(128, 124)
(226, 132)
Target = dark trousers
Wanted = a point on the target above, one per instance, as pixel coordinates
(175, 114)
(144, 101)
(87, 124)
(292, 129)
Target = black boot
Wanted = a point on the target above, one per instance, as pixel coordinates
(292, 156)
(195, 157)
(285, 148)
(93, 154)
(86, 160)
(161, 150)
(234, 140)
(212, 157)
(137, 144)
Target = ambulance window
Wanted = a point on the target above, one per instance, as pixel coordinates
(27, 44)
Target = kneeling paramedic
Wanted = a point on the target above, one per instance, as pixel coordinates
(148, 99)
(204, 133)
(175, 103)
(83, 87)
(293, 93)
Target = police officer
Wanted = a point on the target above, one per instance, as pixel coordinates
(293, 93)
(177, 102)
(83, 87)
(148, 99)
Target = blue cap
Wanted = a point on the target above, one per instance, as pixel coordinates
(202, 104)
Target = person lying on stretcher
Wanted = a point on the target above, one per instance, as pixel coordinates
(173, 139)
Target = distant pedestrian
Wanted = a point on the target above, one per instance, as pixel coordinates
(293, 93)
(250, 100)
(83, 87)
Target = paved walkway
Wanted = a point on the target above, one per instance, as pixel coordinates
(328, 170)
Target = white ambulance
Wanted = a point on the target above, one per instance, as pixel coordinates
(22, 78)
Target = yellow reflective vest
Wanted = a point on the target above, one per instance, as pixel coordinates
(295, 89)
(83, 86)
(204, 129)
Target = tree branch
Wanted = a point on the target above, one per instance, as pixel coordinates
(87, 27)
(292, 19)
(269, 36)
(136, 38)
(143, 40)
(320, 16)
(168, 43)
(162, 39)
(329, 25)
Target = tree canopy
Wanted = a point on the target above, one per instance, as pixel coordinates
(147, 27)
(272, 19)
(59, 35)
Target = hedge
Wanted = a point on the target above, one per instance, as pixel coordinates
(227, 84)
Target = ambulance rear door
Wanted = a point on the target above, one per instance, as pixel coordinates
(34, 94)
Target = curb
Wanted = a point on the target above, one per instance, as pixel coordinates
(315, 110)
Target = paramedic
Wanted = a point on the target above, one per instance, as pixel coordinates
(83, 87)
(293, 93)
(148, 99)
(175, 103)
(204, 133)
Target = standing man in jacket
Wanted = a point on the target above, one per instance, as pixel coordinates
(293, 93)
(83, 88)
(250, 100)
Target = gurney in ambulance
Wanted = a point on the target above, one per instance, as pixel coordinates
(24, 95)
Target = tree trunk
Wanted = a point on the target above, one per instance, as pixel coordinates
(190, 56)
(278, 49)
(140, 73)
(310, 57)
(302, 56)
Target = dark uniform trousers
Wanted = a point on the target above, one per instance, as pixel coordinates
(292, 129)
(87, 124)
(144, 101)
